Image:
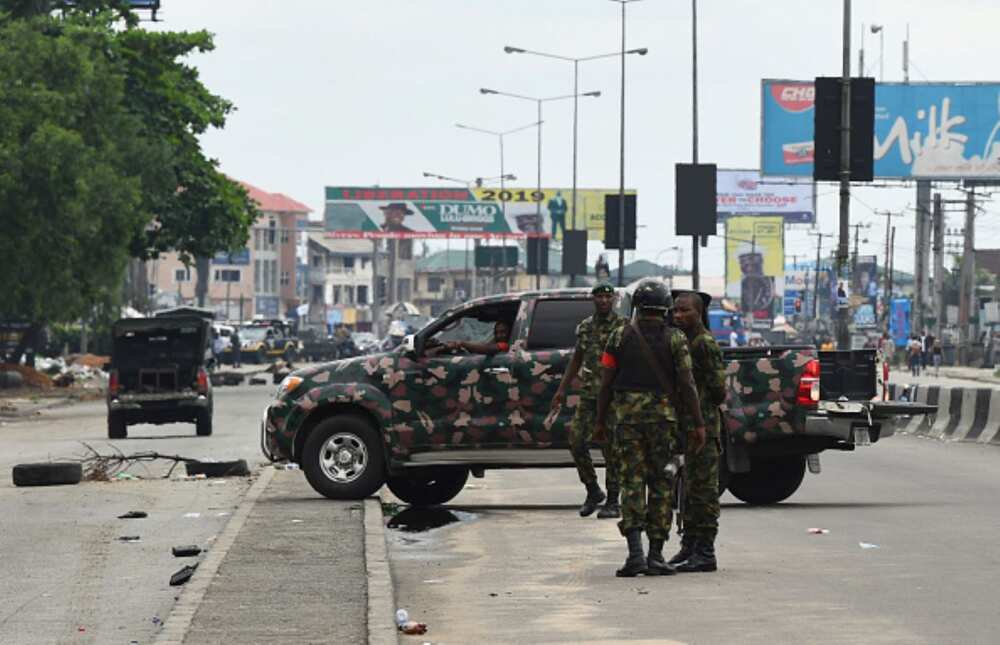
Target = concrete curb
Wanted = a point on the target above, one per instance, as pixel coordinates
(381, 597)
(970, 415)
(177, 624)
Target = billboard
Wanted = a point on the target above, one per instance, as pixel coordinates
(864, 291)
(755, 263)
(744, 192)
(922, 130)
(485, 213)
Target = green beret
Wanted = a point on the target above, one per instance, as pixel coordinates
(604, 287)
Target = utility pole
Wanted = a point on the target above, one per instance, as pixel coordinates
(819, 255)
(695, 270)
(843, 337)
(938, 290)
(892, 265)
(887, 298)
(966, 296)
(921, 252)
(854, 259)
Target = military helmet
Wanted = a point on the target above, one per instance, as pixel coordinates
(651, 294)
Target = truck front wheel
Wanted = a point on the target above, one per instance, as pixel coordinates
(429, 486)
(343, 459)
(770, 480)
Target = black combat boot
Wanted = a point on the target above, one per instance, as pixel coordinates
(687, 544)
(702, 558)
(654, 561)
(610, 508)
(594, 498)
(636, 561)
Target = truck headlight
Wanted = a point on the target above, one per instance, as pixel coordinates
(288, 385)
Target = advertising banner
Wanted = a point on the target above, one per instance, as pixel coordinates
(744, 192)
(796, 289)
(755, 263)
(485, 213)
(922, 130)
(864, 291)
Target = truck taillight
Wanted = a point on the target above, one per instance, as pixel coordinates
(808, 394)
(202, 381)
(113, 383)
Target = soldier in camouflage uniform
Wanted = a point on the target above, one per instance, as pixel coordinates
(701, 508)
(648, 368)
(591, 338)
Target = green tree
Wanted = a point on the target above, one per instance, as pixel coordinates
(99, 156)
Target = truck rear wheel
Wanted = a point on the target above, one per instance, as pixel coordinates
(429, 486)
(770, 480)
(343, 458)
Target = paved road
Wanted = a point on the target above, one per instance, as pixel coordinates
(521, 566)
(64, 576)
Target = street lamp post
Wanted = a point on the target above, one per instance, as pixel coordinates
(621, 177)
(642, 51)
(538, 101)
(503, 175)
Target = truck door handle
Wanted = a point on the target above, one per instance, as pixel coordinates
(497, 370)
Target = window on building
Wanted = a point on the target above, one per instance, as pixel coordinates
(362, 297)
(256, 277)
(405, 250)
(403, 288)
(463, 289)
(284, 236)
(317, 260)
(227, 275)
(271, 231)
(266, 282)
(182, 275)
(336, 294)
(285, 278)
(434, 284)
(256, 239)
(364, 263)
(349, 262)
(349, 295)
(317, 295)
(274, 275)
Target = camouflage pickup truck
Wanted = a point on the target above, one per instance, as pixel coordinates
(421, 422)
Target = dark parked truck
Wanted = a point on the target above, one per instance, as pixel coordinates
(421, 419)
(158, 373)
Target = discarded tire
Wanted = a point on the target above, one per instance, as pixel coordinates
(54, 473)
(236, 468)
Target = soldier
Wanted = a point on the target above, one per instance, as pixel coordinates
(591, 338)
(648, 367)
(701, 508)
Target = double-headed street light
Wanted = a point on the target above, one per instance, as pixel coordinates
(477, 182)
(642, 51)
(538, 102)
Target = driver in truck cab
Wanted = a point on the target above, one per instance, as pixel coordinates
(499, 343)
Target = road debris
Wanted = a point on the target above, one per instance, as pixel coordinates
(192, 515)
(183, 575)
(104, 467)
(133, 515)
(817, 531)
(868, 545)
(407, 626)
(186, 551)
(129, 538)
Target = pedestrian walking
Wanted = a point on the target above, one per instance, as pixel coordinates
(914, 353)
(237, 346)
(701, 476)
(647, 371)
(591, 339)
(937, 354)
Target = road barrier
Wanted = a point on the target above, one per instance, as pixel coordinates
(963, 414)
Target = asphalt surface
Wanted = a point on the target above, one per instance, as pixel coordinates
(521, 566)
(64, 574)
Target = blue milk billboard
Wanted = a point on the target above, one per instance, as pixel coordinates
(922, 130)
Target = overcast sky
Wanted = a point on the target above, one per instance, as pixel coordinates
(332, 92)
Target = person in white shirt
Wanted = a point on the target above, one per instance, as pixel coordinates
(734, 338)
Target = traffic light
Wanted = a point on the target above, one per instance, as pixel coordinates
(611, 209)
(827, 129)
(538, 255)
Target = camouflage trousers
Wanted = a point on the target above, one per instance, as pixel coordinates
(581, 438)
(644, 450)
(701, 485)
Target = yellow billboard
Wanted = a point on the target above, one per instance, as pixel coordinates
(556, 207)
(755, 263)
